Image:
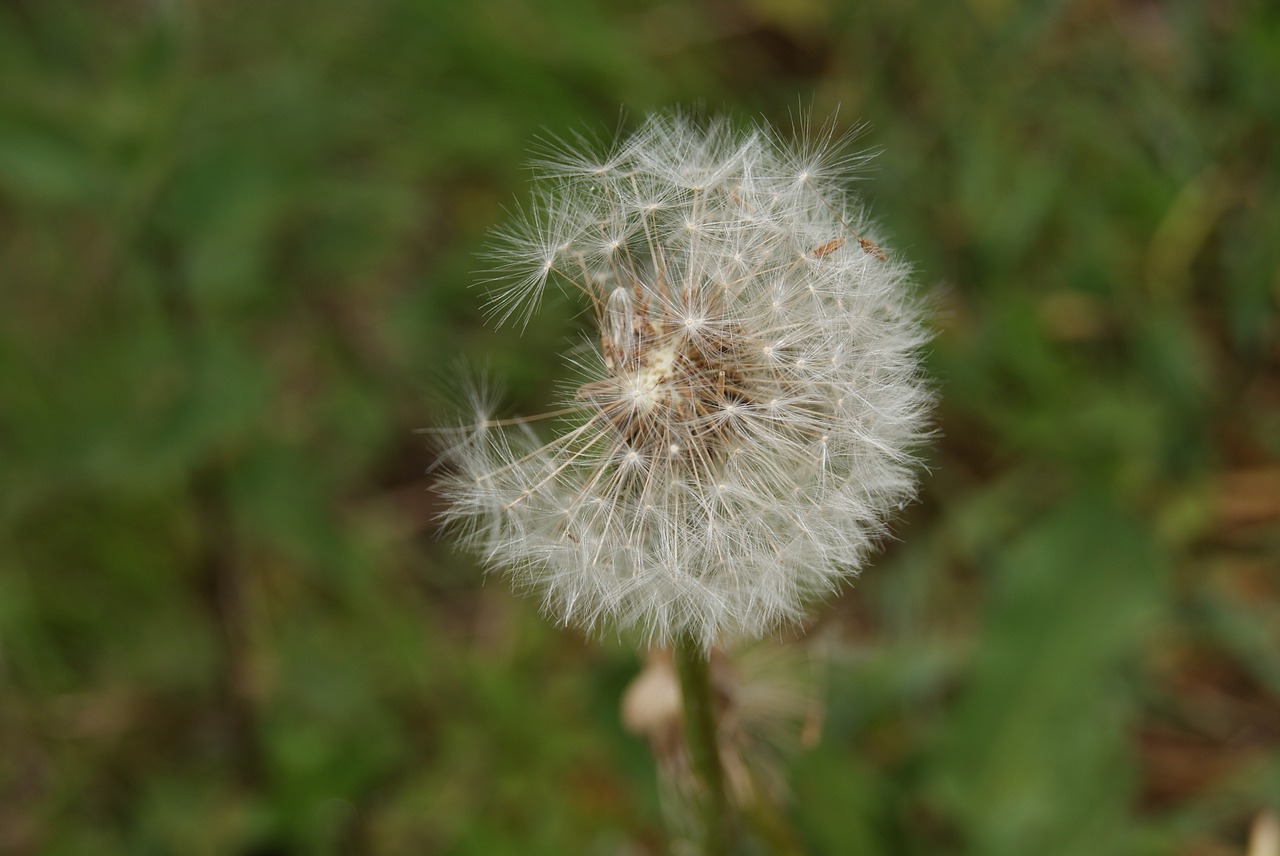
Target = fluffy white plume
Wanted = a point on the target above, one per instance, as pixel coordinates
(749, 403)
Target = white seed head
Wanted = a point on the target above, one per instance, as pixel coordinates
(751, 398)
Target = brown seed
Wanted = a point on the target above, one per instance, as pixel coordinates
(869, 247)
(829, 247)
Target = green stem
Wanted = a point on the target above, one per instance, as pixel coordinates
(702, 738)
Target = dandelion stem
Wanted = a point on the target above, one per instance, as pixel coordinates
(702, 738)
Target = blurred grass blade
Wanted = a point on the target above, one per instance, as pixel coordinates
(1034, 760)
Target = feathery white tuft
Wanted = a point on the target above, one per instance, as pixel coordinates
(748, 407)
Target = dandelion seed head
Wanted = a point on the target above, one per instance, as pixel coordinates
(752, 399)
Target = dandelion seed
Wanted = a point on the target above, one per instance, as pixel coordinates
(752, 395)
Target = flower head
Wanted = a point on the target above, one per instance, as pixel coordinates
(748, 402)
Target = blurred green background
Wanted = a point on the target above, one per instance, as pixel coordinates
(237, 244)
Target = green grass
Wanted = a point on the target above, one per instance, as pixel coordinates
(237, 244)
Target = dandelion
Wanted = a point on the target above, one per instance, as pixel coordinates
(747, 404)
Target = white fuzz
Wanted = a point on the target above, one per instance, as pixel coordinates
(748, 406)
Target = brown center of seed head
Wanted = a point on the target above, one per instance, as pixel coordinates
(667, 395)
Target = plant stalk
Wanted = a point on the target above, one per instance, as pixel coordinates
(693, 665)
